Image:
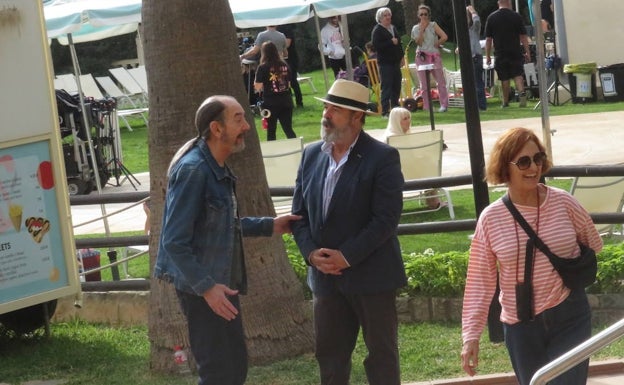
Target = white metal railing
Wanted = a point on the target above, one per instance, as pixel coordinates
(578, 354)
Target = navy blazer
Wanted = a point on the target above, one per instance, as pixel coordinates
(362, 218)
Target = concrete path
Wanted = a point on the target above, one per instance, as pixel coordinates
(587, 139)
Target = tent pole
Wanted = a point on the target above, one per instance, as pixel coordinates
(320, 47)
(139, 44)
(85, 119)
(346, 41)
(542, 78)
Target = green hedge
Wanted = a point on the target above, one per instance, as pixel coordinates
(444, 274)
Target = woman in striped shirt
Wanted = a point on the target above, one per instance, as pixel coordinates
(560, 318)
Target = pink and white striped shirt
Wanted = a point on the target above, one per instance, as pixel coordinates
(563, 222)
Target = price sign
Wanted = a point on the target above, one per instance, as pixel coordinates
(37, 254)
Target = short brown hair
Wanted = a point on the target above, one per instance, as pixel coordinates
(505, 149)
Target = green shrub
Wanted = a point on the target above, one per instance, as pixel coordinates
(439, 275)
(297, 262)
(444, 274)
(610, 270)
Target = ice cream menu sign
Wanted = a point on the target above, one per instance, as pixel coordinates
(37, 253)
(31, 256)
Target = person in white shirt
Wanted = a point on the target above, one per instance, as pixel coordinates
(333, 47)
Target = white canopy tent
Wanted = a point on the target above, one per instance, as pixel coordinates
(90, 20)
(72, 21)
(251, 14)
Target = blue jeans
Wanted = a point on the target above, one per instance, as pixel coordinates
(217, 345)
(533, 344)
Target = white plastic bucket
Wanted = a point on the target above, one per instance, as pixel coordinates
(583, 85)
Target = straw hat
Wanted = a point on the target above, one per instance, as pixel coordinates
(348, 94)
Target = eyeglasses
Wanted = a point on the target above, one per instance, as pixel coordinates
(423, 14)
(524, 162)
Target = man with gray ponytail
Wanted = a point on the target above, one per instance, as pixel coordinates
(200, 249)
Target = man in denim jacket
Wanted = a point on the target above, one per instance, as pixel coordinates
(200, 250)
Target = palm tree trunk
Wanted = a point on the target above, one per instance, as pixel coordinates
(191, 52)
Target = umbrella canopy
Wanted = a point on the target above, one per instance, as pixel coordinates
(327, 8)
(90, 20)
(252, 14)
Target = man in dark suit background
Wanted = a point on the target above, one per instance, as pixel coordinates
(349, 192)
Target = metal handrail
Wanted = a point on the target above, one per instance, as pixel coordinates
(578, 354)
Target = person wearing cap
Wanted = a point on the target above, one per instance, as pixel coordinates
(349, 194)
(200, 249)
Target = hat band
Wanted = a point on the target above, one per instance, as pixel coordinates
(346, 101)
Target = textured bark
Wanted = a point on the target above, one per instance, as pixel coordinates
(410, 14)
(191, 52)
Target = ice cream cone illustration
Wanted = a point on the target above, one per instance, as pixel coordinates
(15, 212)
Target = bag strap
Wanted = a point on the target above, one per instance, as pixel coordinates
(537, 241)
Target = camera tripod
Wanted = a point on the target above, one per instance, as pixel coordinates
(118, 168)
(115, 165)
(556, 65)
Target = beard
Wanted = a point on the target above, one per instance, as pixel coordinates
(238, 144)
(239, 147)
(328, 131)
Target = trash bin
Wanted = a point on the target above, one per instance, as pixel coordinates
(89, 259)
(612, 82)
(582, 80)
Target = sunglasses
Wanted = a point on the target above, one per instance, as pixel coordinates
(423, 14)
(524, 162)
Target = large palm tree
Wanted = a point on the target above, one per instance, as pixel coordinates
(191, 52)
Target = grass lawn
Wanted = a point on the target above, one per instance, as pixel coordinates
(81, 353)
(96, 354)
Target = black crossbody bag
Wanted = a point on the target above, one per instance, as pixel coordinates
(577, 272)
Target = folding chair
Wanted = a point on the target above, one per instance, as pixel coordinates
(373, 77)
(600, 194)
(455, 88)
(281, 161)
(140, 76)
(126, 106)
(90, 87)
(308, 80)
(66, 82)
(133, 89)
(421, 157)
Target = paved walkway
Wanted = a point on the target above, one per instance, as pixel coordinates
(608, 372)
(579, 140)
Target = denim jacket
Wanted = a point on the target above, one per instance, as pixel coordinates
(199, 222)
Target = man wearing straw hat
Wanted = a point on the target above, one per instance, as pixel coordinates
(349, 193)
